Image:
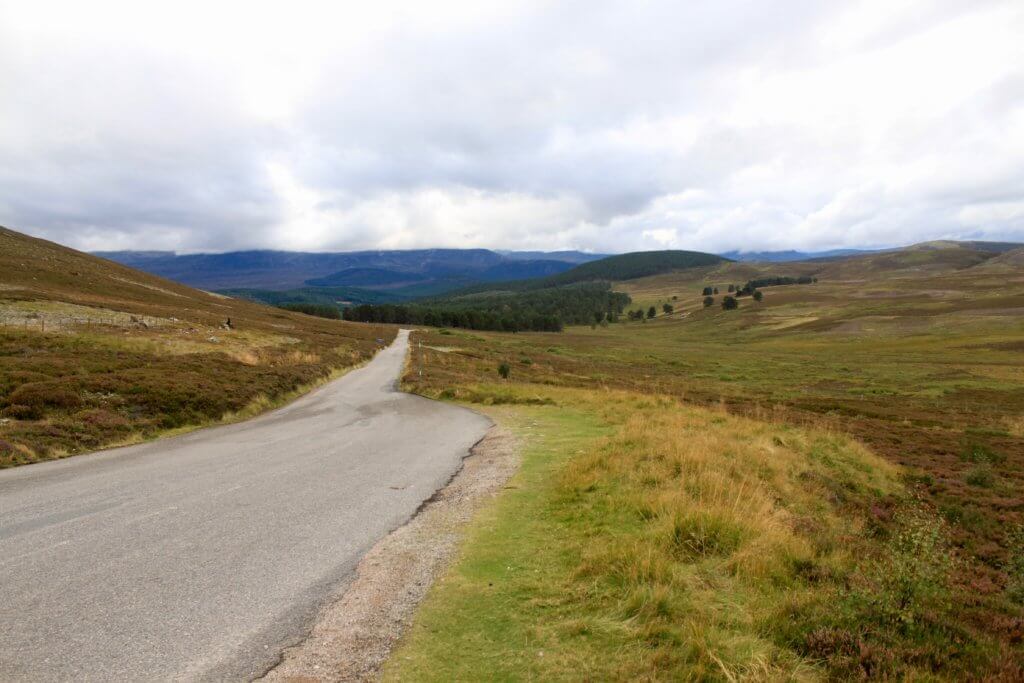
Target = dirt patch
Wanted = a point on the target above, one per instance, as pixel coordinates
(354, 636)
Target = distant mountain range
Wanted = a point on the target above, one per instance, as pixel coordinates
(785, 256)
(414, 270)
(395, 276)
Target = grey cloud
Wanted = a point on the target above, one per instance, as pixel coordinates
(576, 125)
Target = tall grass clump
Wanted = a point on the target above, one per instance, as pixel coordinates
(689, 544)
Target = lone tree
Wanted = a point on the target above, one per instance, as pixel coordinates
(729, 303)
(651, 312)
(709, 301)
(503, 370)
(668, 308)
(758, 295)
(707, 291)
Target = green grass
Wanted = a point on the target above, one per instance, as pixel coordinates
(648, 540)
(493, 607)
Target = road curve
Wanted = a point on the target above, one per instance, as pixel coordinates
(201, 557)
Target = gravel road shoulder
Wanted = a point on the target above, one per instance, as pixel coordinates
(354, 635)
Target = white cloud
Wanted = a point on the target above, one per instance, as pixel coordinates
(601, 125)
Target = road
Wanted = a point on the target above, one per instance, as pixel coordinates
(201, 557)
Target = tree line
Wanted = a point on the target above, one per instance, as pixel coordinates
(319, 310)
(776, 281)
(544, 310)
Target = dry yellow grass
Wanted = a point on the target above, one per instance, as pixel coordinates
(647, 539)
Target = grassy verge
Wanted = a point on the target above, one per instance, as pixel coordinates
(645, 539)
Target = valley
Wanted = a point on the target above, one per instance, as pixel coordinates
(820, 480)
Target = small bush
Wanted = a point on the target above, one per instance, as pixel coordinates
(504, 370)
(981, 454)
(20, 412)
(102, 418)
(981, 476)
(729, 303)
(709, 301)
(758, 296)
(45, 395)
(912, 577)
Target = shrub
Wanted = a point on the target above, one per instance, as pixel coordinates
(758, 295)
(709, 301)
(707, 291)
(981, 476)
(732, 288)
(667, 308)
(729, 303)
(102, 418)
(20, 412)
(912, 577)
(651, 312)
(44, 395)
(981, 454)
(504, 370)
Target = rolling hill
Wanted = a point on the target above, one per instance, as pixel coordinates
(94, 353)
(839, 463)
(926, 257)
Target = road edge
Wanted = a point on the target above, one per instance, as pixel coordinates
(353, 636)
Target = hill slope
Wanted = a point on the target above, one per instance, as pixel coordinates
(94, 353)
(917, 259)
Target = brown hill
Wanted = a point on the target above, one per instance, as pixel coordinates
(94, 353)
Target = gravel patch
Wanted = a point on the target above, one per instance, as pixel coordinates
(353, 636)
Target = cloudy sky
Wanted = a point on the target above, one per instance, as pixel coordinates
(608, 126)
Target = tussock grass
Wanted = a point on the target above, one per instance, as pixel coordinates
(650, 540)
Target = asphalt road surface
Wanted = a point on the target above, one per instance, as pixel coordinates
(203, 556)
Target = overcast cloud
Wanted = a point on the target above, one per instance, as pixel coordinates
(212, 126)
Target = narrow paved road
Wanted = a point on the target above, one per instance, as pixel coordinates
(201, 557)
